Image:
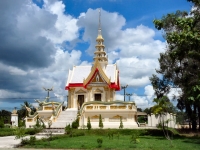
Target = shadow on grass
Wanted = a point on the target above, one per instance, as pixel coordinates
(192, 140)
(153, 137)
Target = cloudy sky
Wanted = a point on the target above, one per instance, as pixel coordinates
(42, 39)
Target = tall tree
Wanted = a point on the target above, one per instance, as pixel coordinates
(180, 64)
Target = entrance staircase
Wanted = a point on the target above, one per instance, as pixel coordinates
(66, 117)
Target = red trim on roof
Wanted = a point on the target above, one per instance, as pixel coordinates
(96, 70)
(73, 85)
(112, 85)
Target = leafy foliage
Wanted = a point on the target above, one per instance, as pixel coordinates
(100, 122)
(100, 142)
(20, 133)
(1, 122)
(75, 124)
(89, 124)
(135, 138)
(180, 64)
(68, 129)
(121, 123)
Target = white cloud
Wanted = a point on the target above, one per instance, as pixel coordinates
(149, 92)
(119, 97)
(65, 28)
(174, 92)
(36, 59)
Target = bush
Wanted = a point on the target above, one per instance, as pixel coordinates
(20, 133)
(68, 129)
(135, 137)
(121, 123)
(1, 122)
(99, 141)
(7, 125)
(37, 122)
(32, 131)
(100, 122)
(32, 140)
(75, 124)
(89, 124)
(79, 134)
(142, 119)
(25, 142)
(21, 123)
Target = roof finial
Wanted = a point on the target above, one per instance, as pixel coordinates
(99, 21)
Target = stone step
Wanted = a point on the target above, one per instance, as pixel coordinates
(47, 132)
(66, 117)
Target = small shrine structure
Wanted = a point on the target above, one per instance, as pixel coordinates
(14, 118)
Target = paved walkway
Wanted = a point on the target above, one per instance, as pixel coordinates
(10, 142)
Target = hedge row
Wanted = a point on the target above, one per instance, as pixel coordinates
(11, 131)
(104, 132)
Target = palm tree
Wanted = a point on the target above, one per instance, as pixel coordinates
(161, 108)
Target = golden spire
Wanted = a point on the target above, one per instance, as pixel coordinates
(99, 30)
(100, 54)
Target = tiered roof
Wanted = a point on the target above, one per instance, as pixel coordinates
(82, 76)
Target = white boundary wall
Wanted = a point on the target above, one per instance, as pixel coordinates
(154, 120)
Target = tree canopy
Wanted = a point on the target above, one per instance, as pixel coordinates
(180, 63)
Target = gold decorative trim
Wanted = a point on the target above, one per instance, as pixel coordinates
(97, 91)
(102, 107)
(95, 117)
(89, 107)
(29, 120)
(47, 108)
(80, 91)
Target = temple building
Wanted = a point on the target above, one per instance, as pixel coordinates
(91, 94)
(91, 89)
(93, 83)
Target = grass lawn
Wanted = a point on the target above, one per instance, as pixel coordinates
(89, 141)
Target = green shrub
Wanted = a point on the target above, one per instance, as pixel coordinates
(37, 122)
(20, 133)
(79, 134)
(21, 123)
(100, 122)
(68, 129)
(99, 142)
(25, 142)
(32, 140)
(6, 132)
(142, 119)
(135, 137)
(110, 134)
(89, 124)
(121, 123)
(3, 133)
(1, 122)
(32, 131)
(75, 124)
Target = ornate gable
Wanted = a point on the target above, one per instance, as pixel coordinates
(96, 74)
(97, 78)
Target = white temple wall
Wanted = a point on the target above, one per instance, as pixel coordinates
(109, 120)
